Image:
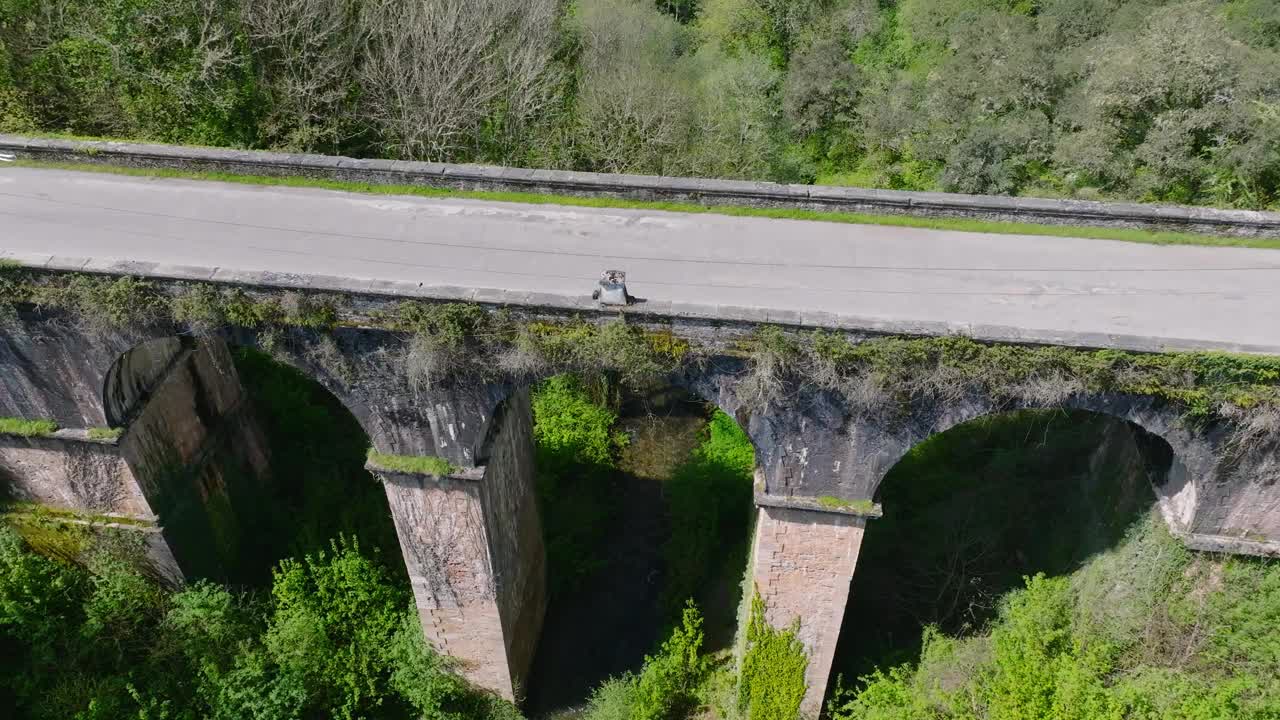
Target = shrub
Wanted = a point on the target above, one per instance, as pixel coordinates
(772, 681)
(666, 687)
(570, 429)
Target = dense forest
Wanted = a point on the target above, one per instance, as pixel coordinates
(1152, 100)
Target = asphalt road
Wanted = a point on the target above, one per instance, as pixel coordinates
(1187, 296)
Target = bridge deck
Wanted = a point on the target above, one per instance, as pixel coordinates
(1046, 288)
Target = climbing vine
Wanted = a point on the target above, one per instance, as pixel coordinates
(771, 683)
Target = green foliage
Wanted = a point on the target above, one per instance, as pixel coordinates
(637, 358)
(667, 683)
(105, 433)
(569, 428)
(709, 500)
(576, 447)
(771, 682)
(317, 453)
(27, 428)
(336, 638)
(420, 464)
(1056, 97)
(1091, 645)
(333, 614)
(667, 686)
(101, 303)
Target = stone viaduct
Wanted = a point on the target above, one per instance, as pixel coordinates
(188, 463)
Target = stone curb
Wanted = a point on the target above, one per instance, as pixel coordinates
(658, 313)
(1240, 223)
(795, 502)
(471, 474)
(72, 435)
(1229, 545)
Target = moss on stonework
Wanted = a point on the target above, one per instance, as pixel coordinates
(27, 428)
(44, 512)
(105, 433)
(66, 534)
(416, 464)
(862, 507)
(62, 540)
(884, 371)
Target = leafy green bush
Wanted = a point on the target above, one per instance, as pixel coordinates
(772, 682)
(667, 683)
(667, 687)
(570, 429)
(336, 638)
(1145, 630)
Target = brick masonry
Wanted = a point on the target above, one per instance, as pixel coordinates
(472, 544)
(803, 562)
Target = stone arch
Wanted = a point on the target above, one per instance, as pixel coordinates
(195, 449)
(136, 372)
(1185, 456)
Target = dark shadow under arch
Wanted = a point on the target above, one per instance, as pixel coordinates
(317, 456)
(972, 510)
(135, 373)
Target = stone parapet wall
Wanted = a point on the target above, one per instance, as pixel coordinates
(1242, 223)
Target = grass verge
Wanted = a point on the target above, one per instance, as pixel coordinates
(27, 428)
(420, 464)
(1150, 237)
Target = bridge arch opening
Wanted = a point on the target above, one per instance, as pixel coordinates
(245, 460)
(973, 510)
(646, 502)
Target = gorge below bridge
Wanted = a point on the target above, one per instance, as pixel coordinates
(431, 318)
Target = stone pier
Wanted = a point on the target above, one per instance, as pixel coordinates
(472, 543)
(186, 466)
(802, 564)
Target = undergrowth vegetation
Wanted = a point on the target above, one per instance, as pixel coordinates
(576, 446)
(1147, 630)
(335, 637)
(710, 506)
(772, 682)
(317, 452)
